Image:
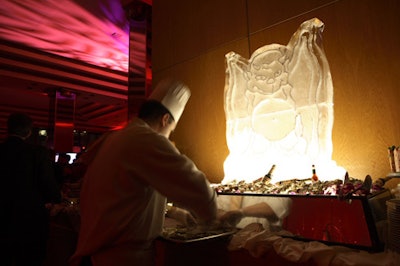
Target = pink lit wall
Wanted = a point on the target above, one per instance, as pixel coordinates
(93, 31)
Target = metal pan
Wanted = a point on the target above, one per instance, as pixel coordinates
(201, 236)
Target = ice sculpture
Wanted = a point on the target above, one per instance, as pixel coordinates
(279, 110)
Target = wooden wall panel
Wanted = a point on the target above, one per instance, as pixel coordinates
(186, 29)
(200, 132)
(266, 14)
(365, 71)
(361, 41)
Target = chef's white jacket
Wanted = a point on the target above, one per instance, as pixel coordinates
(124, 193)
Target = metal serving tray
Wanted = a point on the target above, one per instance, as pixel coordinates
(199, 239)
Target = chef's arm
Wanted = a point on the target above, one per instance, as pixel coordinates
(181, 215)
(177, 178)
(260, 210)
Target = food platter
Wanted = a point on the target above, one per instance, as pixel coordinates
(306, 187)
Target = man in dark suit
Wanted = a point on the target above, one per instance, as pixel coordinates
(28, 183)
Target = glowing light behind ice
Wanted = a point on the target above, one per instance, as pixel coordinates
(279, 110)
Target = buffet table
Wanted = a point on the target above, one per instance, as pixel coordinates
(256, 246)
(252, 245)
(215, 252)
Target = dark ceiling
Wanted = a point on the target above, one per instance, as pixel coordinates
(76, 46)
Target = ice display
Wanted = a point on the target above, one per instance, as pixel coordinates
(279, 110)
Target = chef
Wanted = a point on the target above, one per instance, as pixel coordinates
(124, 190)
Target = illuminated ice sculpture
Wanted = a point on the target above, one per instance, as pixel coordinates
(279, 110)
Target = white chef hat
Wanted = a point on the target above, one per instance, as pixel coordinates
(173, 94)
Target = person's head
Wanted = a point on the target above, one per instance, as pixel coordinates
(19, 124)
(165, 106)
(63, 158)
(157, 116)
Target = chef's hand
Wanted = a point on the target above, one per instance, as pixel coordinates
(231, 218)
(183, 216)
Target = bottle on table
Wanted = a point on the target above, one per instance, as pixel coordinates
(269, 174)
(314, 176)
